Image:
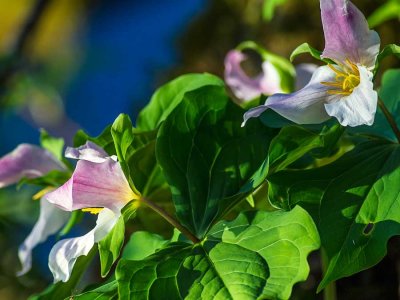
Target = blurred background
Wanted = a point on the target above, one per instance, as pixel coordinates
(70, 64)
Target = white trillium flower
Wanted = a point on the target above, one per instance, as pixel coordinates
(98, 182)
(343, 90)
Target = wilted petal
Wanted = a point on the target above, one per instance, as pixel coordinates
(26, 161)
(65, 253)
(347, 35)
(247, 88)
(304, 73)
(305, 106)
(359, 107)
(93, 185)
(90, 152)
(51, 219)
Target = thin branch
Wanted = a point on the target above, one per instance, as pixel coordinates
(170, 220)
(21, 41)
(390, 119)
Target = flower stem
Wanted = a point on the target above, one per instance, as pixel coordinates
(390, 119)
(170, 220)
(330, 289)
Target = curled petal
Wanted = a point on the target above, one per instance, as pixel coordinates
(247, 88)
(93, 185)
(65, 253)
(26, 161)
(305, 106)
(51, 219)
(359, 107)
(90, 152)
(347, 35)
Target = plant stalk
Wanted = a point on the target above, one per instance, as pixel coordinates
(170, 220)
(330, 289)
(390, 119)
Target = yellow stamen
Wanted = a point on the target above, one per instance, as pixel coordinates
(346, 80)
(93, 210)
(42, 192)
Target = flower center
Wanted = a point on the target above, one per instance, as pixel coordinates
(346, 80)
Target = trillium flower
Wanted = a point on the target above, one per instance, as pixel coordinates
(247, 88)
(343, 90)
(32, 161)
(98, 183)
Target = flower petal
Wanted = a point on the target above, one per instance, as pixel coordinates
(347, 35)
(305, 106)
(244, 87)
(359, 107)
(90, 152)
(26, 161)
(51, 219)
(65, 253)
(93, 185)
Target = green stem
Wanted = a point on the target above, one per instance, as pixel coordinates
(390, 119)
(330, 289)
(170, 220)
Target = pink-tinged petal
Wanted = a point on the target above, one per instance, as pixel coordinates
(347, 35)
(93, 185)
(304, 73)
(245, 87)
(359, 107)
(64, 254)
(51, 220)
(26, 161)
(305, 106)
(90, 152)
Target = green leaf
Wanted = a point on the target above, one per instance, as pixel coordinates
(53, 178)
(286, 70)
(104, 140)
(387, 11)
(209, 161)
(293, 142)
(167, 97)
(52, 144)
(391, 49)
(110, 246)
(306, 48)
(354, 201)
(61, 290)
(260, 255)
(269, 7)
(142, 244)
(75, 218)
(108, 291)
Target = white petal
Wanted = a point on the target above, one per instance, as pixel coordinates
(65, 253)
(90, 152)
(359, 107)
(304, 73)
(51, 219)
(305, 106)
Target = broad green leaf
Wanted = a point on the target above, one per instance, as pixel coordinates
(104, 140)
(259, 255)
(54, 178)
(167, 97)
(136, 154)
(354, 201)
(108, 291)
(52, 144)
(284, 67)
(110, 246)
(62, 290)
(269, 7)
(142, 244)
(306, 48)
(387, 11)
(293, 142)
(208, 159)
